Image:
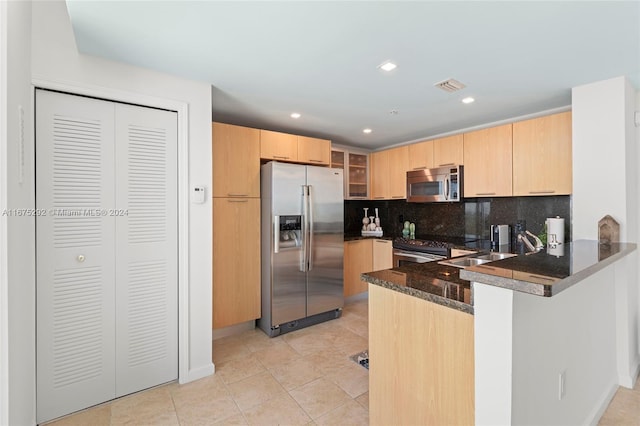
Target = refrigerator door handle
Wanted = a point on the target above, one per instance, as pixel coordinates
(310, 209)
(305, 231)
(276, 234)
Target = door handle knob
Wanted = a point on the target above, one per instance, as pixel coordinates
(80, 258)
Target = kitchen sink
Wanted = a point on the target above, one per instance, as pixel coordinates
(491, 257)
(465, 262)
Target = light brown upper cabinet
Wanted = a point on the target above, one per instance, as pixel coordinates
(421, 155)
(398, 164)
(236, 161)
(379, 169)
(278, 146)
(487, 166)
(314, 151)
(448, 151)
(389, 173)
(542, 163)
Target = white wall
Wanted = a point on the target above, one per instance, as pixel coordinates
(41, 49)
(18, 256)
(603, 153)
(571, 333)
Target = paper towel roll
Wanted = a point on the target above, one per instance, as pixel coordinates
(555, 231)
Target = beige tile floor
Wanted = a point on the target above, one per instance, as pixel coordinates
(301, 378)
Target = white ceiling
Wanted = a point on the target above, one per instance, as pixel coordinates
(267, 59)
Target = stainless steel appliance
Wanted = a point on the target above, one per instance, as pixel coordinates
(302, 246)
(501, 238)
(418, 251)
(443, 184)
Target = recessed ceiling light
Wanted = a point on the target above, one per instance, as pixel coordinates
(468, 100)
(367, 131)
(295, 115)
(387, 66)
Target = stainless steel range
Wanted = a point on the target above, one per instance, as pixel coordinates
(407, 251)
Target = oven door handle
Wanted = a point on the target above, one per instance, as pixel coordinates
(418, 258)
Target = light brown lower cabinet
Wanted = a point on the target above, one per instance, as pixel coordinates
(366, 255)
(421, 361)
(358, 258)
(236, 261)
(382, 255)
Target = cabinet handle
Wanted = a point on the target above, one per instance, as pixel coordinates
(238, 201)
(237, 195)
(398, 196)
(541, 278)
(378, 198)
(280, 157)
(316, 161)
(485, 193)
(547, 191)
(382, 241)
(447, 164)
(420, 168)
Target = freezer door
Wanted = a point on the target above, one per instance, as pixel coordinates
(288, 291)
(326, 240)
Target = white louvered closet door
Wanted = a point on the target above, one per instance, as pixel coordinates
(75, 262)
(146, 248)
(107, 257)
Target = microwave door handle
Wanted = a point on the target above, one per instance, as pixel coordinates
(447, 187)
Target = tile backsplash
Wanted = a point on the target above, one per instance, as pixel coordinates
(471, 218)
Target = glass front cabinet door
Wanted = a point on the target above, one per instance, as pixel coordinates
(356, 172)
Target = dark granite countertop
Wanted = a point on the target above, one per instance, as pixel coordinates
(542, 274)
(429, 281)
(546, 274)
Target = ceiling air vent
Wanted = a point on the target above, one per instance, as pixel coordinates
(450, 85)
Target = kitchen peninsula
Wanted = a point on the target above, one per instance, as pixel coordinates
(532, 339)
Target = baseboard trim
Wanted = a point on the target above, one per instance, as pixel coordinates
(219, 333)
(198, 373)
(605, 399)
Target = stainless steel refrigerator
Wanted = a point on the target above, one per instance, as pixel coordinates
(302, 246)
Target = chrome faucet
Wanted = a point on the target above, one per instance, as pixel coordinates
(523, 237)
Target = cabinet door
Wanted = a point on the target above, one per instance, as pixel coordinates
(236, 260)
(398, 165)
(380, 185)
(337, 159)
(542, 163)
(278, 146)
(358, 176)
(487, 168)
(448, 151)
(314, 151)
(358, 258)
(382, 254)
(421, 155)
(236, 161)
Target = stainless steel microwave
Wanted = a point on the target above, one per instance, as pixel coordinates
(443, 184)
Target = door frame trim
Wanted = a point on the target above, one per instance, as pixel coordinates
(185, 373)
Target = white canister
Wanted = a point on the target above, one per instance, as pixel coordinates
(555, 231)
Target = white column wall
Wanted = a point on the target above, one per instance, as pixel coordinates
(17, 258)
(602, 174)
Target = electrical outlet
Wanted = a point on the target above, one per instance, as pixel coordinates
(562, 386)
